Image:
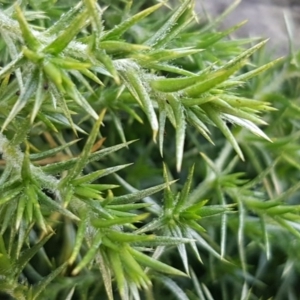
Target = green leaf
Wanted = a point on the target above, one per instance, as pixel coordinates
(113, 47)
(223, 73)
(259, 70)
(167, 85)
(135, 196)
(38, 289)
(89, 256)
(154, 264)
(29, 89)
(80, 234)
(159, 35)
(69, 32)
(119, 221)
(29, 38)
(55, 206)
(10, 195)
(212, 38)
(83, 159)
(64, 19)
(28, 254)
(117, 31)
(98, 174)
(118, 270)
(135, 85)
(185, 191)
(216, 118)
(51, 152)
(66, 165)
(178, 111)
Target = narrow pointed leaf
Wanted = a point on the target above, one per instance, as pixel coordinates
(124, 26)
(135, 196)
(89, 256)
(185, 191)
(134, 83)
(80, 234)
(29, 38)
(68, 33)
(119, 221)
(55, 206)
(38, 289)
(118, 270)
(247, 124)
(83, 159)
(66, 165)
(98, 174)
(28, 254)
(29, 89)
(39, 96)
(172, 21)
(215, 117)
(178, 111)
(223, 73)
(64, 19)
(154, 264)
(248, 75)
(51, 152)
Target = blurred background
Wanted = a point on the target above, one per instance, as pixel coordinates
(266, 18)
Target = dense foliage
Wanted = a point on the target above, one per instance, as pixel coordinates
(103, 106)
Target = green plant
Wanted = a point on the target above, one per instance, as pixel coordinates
(158, 84)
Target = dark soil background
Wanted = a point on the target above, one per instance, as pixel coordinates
(265, 19)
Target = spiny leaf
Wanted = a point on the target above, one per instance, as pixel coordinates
(72, 91)
(216, 118)
(223, 73)
(81, 162)
(51, 152)
(162, 122)
(154, 264)
(12, 65)
(247, 124)
(80, 234)
(118, 270)
(199, 125)
(64, 19)
(133, 269)
(136, 87)
(166, 54)
(185, 191)
(259, 70)
(94, 11)
(124, 26)
(112, 47)
(168, 85)
(212, 38)
(97, 240)
(68, 33)
(29, 89)
(38, 289)
(164, 30)
(98, 174)
(28, 254)
(66, 165)
(29, 38)
(140, 194)
(55, 206)
(39, 96)
(180, 129)
(119, 221)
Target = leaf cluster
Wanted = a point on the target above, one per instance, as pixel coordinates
(81, 82)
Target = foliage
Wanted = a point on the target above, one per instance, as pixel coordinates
(89, 88)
